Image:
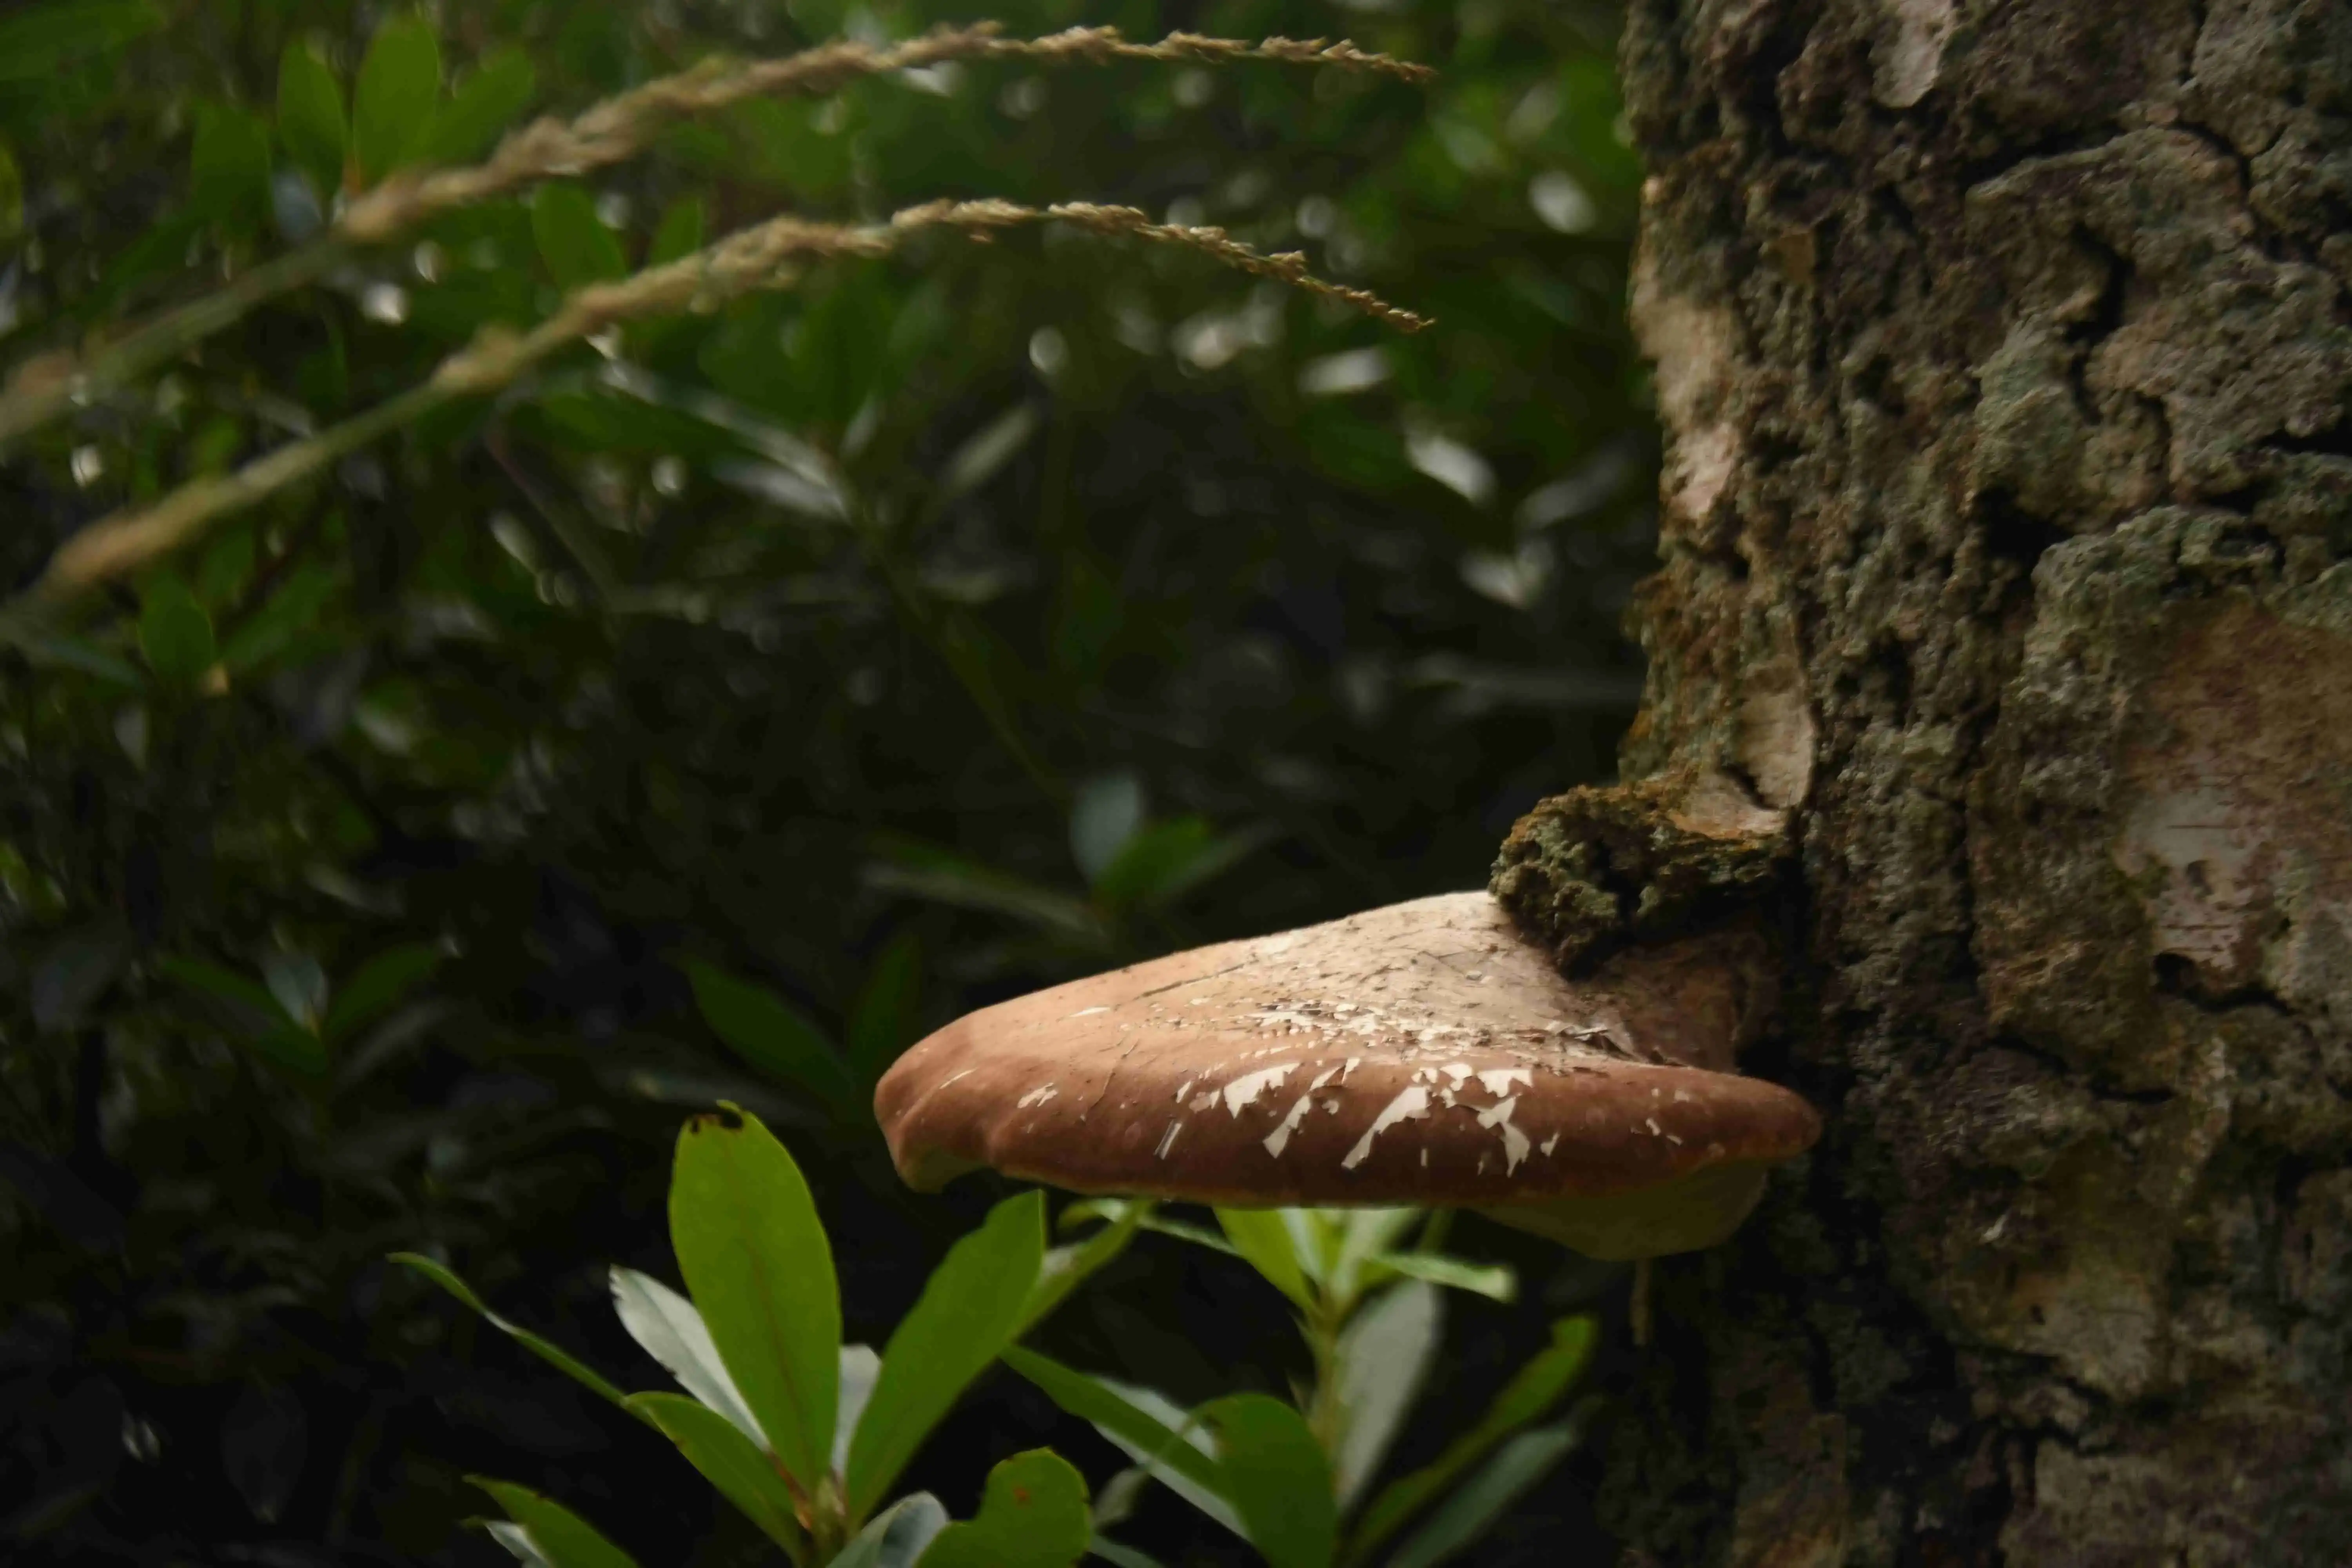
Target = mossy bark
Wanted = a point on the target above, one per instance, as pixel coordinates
(2005, 355)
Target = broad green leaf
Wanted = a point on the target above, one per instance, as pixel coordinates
(1066, 1268)
(760, 1269)
(45, 40)
(174, 633)
(882, 1022)
(776, 1038)
(1275, 1474)
(729, 1461)
(969, 1309)
(1145, 1425)
(481, 106)
(897, 1536)
(311, 123)
(560, 1359)
(380, 981)
(563, 1537)
(393, 103)
(1165, 861)
(1473, 1508)
(678, 234)
(1381, 1360)
(296, 609)
(1494, 1281)
(1033, 1515)
(228, 166)
(297, 1049)
(668, 1328)
(1260, 1237)
(1532, 1390)
(573, 240)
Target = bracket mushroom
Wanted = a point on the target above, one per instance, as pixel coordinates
(1425, 1053)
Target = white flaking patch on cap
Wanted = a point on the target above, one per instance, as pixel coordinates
(1088, 1012)
(1167, 1139)
(1652, 1123)
(1550, 1143)
(1514, 1142)
(954, 1076)
(1457, 1071)
(1245, 1089)
(1325, 1076)
(1410, 1103)
(1498, 1080)
(1204, 1100)
(1275, 1140)
(1037, 1096)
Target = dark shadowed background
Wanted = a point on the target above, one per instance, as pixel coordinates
(946, 627)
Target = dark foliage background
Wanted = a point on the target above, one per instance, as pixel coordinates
(945, 628)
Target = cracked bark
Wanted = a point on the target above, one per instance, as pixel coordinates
(2005, 354)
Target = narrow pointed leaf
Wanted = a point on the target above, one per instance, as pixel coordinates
(398, 91)
(1260, 1237)
(969, 1311)
(897, 1536)
(1065, 1269)
(483, 105)
(670, 1330)
(1494, 1281)
(563, 1537)
(563, 1361)
(760, 1269)
(1146, 1427)
(380, 981)
(882, 1022)
(776, 1038)
(310, 124)
(1120, 1556)
(1532, 1390)
(1032, 1515)
(729, 1461)
(1471, 1509)
(1274, 1470)
(1383, 1355)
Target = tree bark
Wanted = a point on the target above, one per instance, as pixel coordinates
(2004, 351)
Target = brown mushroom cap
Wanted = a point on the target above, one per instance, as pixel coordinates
(1424, 1053)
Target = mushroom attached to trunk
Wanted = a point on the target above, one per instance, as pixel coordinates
(1422, 1054)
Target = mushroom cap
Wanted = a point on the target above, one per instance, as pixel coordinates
(1424, 1052)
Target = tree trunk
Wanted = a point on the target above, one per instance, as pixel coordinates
(2002, 348)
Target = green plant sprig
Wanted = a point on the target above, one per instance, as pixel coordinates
(768, 256)
(606, 133)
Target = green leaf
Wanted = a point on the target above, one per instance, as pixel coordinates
(1066, 1268)
(380, 981)
(760, 1269)
(299, 984)
(1107, 814)
(668, 1328)
(969, 1311)
(1274, 1470)
(298, 607)
(1261, 1237)
(1142, 1424)
(729, 1461)
(1461, 1518)
(228, 167)
(393, 106)
(1033, 1515)
(563, 1537)
(254, 1007)
(1496, 1282)
(44, 41)
(896, 1537)
(1534, 1390)
(1119, 1556)
(778, 1039)
(1165, 861)
(573, 240)
(174, 633)
(560, 1359)
(678, 234)
(1381, 1360)
(882, 1021)
(481, 106)
(311, 123)
(54, 650)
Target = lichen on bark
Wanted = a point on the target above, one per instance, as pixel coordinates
(2005, 355)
